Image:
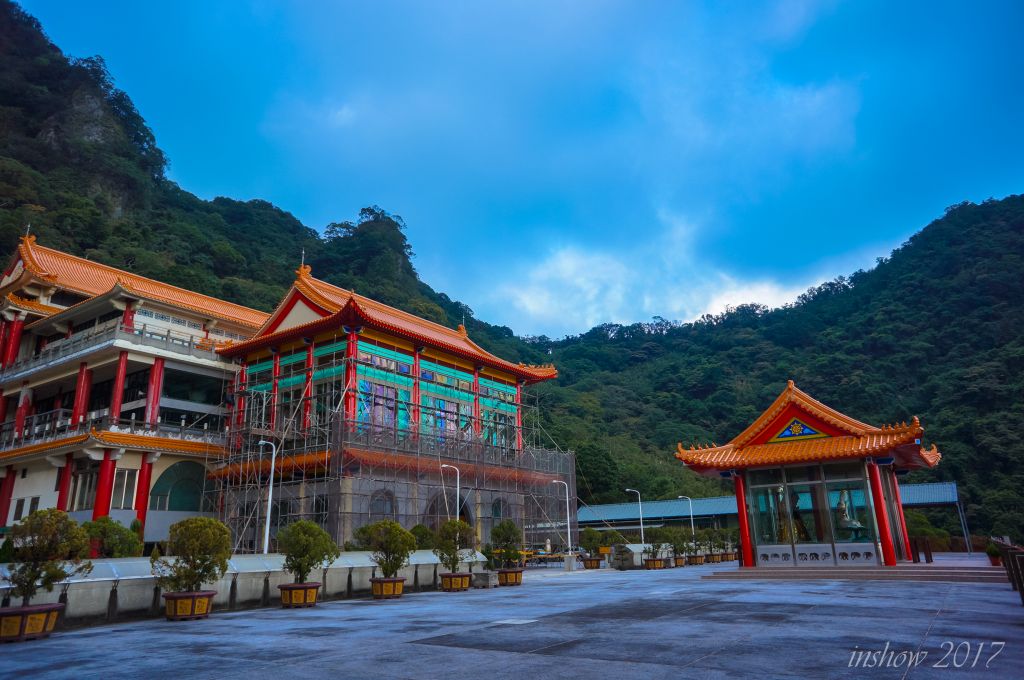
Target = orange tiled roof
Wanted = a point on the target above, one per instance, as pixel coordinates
(862, 440)
(118, 440)
(31, 305)
(92, 278)
(335, 300)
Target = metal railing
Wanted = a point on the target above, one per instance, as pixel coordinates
(57, 424)
(105, 334)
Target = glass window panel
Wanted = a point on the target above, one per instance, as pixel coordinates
(803, 473)
(19, 509)
(769, 476)
(33, 505)
(853, 469)
(809, 511)
(771, 519)
(851, 517)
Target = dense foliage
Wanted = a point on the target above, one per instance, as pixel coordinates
(113, 539)
(506, 539)
(933, 330)
(201, 547)
(306, 546)
(452, 544)
(49, 547)
(390, 543)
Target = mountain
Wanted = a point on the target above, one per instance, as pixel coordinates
(934, 330)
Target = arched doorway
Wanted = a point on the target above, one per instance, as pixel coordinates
(179, 488)
(442, 507)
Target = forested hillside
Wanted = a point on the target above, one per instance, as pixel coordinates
(934, 330)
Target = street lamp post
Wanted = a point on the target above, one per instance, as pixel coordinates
(458, 490)
(270, 492)
(641, 504)
(690, 501)
(568, 526)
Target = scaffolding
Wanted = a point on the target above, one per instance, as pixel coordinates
(356, 438)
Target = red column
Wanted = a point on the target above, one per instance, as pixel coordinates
(6, 491)
(881, 516)
(24, 403)
(64, 490)
(82, 388)
(142, 490)
(307, 390)
(351, 352)
(519, 415)
(414, 412)
(128, 318)
(13, 342)
(104, 486)
(117, 391)
(3, 407)
(746, 542)
(156, 385)
(4, 327)
(240, 400)
(899, 510)
(275, 375)
(476, 400)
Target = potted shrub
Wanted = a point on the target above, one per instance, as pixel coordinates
(391, 545)
(306, 546)
(448, 546)
(48, 548)
(506, 538)
(678, 540)
(201, 547)
(994, 556)
(590, 541)
(110, 538)
(654, 550)
(695, 549)
(424, 537)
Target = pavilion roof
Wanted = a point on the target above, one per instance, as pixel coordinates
(339, 305)
(797, 428)
(93, 278)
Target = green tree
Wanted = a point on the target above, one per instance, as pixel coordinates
(49, 547)
(201, 547)
(306, 546)
(391, 545)
(451, 543)
(113, 539)
(506, 539)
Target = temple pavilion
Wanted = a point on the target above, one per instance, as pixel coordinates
(815, 487)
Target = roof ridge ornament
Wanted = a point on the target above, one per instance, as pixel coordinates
(304, 270)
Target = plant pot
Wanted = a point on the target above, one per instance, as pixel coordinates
(654, 563)
(510, 577)
(18, 624)
(454, 582)
(679, 560)
(995, 560)
(296, 595)
(387, 588)
(714, 557)
(695, 559)
(592, 562)
(187, 606)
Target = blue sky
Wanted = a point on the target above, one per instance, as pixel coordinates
(564, 164)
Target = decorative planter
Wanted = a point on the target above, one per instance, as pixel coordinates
(714, 557)
(510, 577)
(654, 563)
(729, 557)
(18, 624)
(295, 595)
(387, 588)
(679, 560)
(695, 559)
(187, 606)
(995, 560)
(592, 562)
(454, 582)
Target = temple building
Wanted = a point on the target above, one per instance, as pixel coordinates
(815, 487)
(130, 398)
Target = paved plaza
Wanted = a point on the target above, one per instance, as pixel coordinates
(607, 624)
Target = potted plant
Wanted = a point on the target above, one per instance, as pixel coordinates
(306, 546)
(590, 541)
(448, 546)
(733, 536)
(49, 548)
(110, 538)
(994, 556)
(695, 549)
(506, 538)
(679, 539)
(424, 537)
(714, 543)
(391, 545)
(201, 547)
